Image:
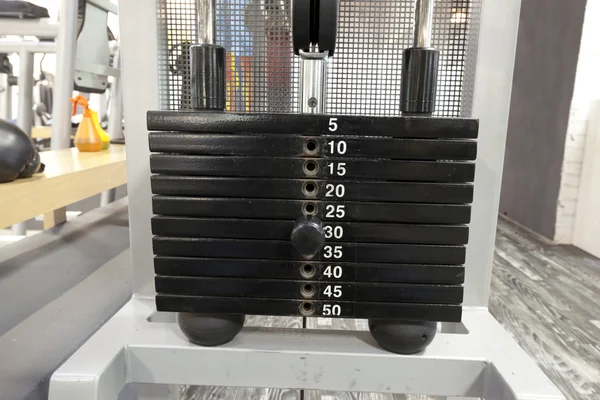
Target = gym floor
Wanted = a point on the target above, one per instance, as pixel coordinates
(545, 295)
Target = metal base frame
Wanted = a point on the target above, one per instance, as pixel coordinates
(140, 345)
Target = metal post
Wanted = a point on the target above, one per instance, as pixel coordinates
(206, 25)
(207, 62)
(115, 120)
(5, 97)
(25, 82)
(25, 110)
(423, 23)
(115, 123)
(420, 66)
(313, 81)
(5, 113)
(63, 82)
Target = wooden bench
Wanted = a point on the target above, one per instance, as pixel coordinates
(70, 176)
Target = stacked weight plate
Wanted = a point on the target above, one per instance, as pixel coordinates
(393, 195)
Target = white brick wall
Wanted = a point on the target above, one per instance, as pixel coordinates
(587, 89)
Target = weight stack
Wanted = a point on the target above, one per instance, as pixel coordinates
(391, 194)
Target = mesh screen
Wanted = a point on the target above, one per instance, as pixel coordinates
(364, 75)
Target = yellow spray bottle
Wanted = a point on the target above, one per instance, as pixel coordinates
(87, 137)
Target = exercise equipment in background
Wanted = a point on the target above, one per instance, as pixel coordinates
(18, 156)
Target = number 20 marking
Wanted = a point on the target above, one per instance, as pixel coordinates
(335, 190)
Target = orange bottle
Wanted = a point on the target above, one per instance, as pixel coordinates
(87, 137)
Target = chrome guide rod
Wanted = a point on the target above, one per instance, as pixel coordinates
(206, 21)
(423, 23)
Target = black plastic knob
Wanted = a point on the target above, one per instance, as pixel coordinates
(308, 237)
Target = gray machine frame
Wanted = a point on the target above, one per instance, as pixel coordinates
(474, 359)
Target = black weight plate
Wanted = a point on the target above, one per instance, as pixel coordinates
(313, 290)
(337, 231)
(283, 250)
(314, 270)
(311, 146)
(326, 211)
(411, 192)
(328, 23)
(311, 124)
(301, 24)
(272, 167)
(282, 307)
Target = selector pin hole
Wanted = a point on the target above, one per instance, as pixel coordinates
(307, 290)
(310, 168)
(307, 309)
(310, 188)
(311, 146)
(307, 271)
(310, 209)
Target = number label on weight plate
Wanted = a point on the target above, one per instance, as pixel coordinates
(333, 271)
(337, 168)
(332, 310)
(338, 190)
(333, 126)
(333, 291)
(337, 147)
(333, 252)
(335, 211)
(333, 232)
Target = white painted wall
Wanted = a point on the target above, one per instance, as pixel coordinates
(587, 89)
(587, 220)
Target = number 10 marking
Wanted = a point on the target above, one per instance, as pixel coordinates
(339, 147)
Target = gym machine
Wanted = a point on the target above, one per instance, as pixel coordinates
(312, 215)
(263, 242)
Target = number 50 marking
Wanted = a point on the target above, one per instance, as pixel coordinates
(332, 309)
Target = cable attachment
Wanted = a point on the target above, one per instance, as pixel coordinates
(314, 25)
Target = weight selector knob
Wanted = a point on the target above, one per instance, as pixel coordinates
(308, 237)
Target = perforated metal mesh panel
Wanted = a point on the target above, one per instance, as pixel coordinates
(364, 76)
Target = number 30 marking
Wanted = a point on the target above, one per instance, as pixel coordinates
(333, 231)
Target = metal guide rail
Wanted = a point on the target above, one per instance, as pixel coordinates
(311, 215)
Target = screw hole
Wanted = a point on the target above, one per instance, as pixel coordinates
(307, 309)
(307, 290)
(309, 189)
(424, 338)
(307, 271)
(310, 209)
(310, 168)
